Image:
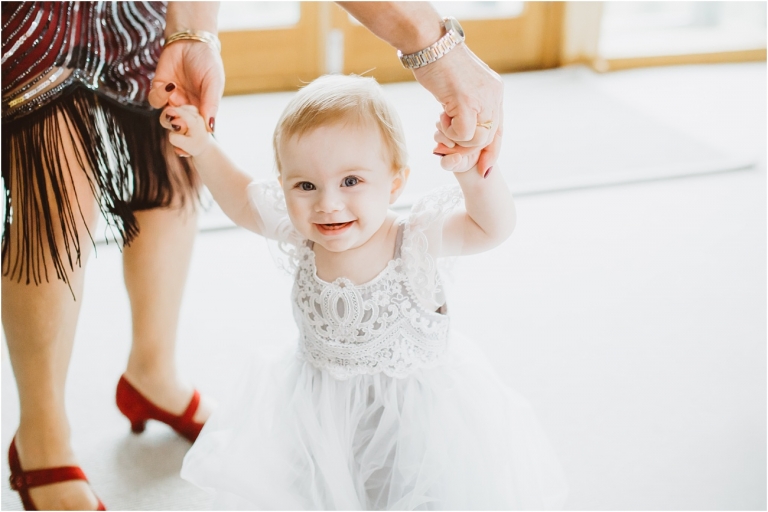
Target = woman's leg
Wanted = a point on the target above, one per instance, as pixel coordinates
(39, 323)
(155, 267)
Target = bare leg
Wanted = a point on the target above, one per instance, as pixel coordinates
(39, 323)
(155, 267)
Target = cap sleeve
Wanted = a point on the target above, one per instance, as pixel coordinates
(422, 242)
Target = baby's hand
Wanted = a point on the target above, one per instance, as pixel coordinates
(188, 130)
(455, 158)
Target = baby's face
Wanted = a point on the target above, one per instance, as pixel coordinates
(338, 184)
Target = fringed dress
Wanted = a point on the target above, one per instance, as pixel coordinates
(77, 74)
(380, 405)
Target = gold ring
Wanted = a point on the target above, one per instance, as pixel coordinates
(487, 124)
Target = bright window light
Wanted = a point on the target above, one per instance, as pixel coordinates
(479, 10)
(235, 16)
(646, 29)
(475, 10)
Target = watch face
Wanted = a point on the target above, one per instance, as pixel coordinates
(452, 24)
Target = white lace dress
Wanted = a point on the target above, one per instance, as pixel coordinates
(380, 405)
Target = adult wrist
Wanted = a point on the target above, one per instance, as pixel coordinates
(201, 36)
(453, 36)
(421, 34)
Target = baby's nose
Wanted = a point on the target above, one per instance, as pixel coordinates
(329, 202)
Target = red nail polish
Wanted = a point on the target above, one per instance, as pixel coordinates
(487, 172)
(171, 86)
(176, 127)
(212, 124)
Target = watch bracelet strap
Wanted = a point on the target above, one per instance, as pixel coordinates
(194, 35)
(431, 53)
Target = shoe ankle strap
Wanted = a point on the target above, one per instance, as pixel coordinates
(39, 477)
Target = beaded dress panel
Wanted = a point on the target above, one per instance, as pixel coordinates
(77, 75)
(112, 47)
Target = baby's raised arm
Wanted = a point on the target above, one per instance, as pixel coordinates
(489, 215)
(227, 183)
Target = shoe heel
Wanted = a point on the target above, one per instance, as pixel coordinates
(130, 407)
(137, 427)
(138, 409)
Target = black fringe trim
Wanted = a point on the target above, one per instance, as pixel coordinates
(122, 153)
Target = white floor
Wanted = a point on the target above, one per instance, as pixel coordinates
(633, 317)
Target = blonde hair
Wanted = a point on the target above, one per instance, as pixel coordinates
(332, 99)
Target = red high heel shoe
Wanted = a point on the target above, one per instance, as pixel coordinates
(22, 481)
(138, 410)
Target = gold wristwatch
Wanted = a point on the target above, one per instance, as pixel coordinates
(454, 35)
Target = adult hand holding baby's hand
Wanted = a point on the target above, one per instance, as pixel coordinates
(189, 72)
(188, 130)
(457, 158)
(471, 94)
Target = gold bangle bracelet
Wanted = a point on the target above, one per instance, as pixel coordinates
(194, 35)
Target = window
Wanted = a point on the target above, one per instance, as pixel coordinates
(239, 16)
(640, 29)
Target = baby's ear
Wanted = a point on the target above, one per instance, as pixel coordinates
(398, 183)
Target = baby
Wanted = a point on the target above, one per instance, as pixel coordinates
(380, 405)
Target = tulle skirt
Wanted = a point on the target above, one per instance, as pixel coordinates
(449, 437)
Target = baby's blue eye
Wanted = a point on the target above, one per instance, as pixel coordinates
(351, 181)
(305, 185)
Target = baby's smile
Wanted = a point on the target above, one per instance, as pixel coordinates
(333, 229)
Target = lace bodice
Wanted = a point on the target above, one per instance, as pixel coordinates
(390, 324)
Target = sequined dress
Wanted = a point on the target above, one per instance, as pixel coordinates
(90, 63)
(380, 405)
